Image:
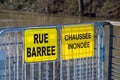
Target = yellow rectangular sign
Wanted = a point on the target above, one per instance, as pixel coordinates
(40, 44)
(77, 41)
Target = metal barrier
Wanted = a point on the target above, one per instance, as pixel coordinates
(114, 50)
(14, 67)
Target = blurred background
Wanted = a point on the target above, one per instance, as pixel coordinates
(50, 12)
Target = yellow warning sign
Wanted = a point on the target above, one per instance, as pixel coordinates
(40, 45)
(77, 41)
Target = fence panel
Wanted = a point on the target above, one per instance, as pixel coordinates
(114, 50)
(14, 67)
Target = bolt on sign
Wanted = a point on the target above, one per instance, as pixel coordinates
(40, 44)
(77, 41)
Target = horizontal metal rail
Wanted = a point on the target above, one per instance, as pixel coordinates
(116, 36)
(115, 71)
(116, 76)
(114, 68)
(116, 48)
(117, 57)
(118, 64)
(12, 43)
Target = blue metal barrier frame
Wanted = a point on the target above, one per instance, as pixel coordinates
(110, 48)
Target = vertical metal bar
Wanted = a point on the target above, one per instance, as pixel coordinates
(23, 64)
(102, 48)
(14, 62)
(61, 75)
(22, 56)
(47, 71)
(39, 71)
(9, 60)
(92, 68)
(86, 69)
(89, 69)
(0, 60)
(74, 69)
(5, 73)
(96, 60)
(102, 71)
(0, 70)
(98, 56)
(68, 70)
(101, 25)
(32, 71)
(110, 53)
(80, 70)
(17, 57)
(91, 73)
(4, 62)
(76, 62)
(102, 58)
(4, 69)
(22, 71)
(53, 70)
